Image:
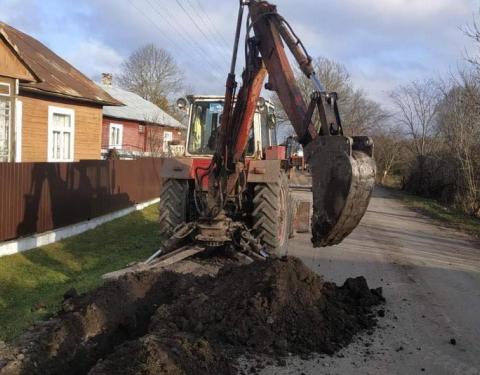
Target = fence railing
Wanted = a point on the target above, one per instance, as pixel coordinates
(37, 197)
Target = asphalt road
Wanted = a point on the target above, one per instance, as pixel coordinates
(431, 279)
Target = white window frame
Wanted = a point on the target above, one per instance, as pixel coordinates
(18, 130)
(110, 143)
(52, 110)
(9, 89)
(165, 141)
(8, 127)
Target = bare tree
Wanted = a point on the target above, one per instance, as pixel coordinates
(359, 114)
(388, 151)
(441, 121)
(363, 116)
(473, 32)
(155, 142)
(333, 75)
(152, 73)
(459, 119)
(417, 107)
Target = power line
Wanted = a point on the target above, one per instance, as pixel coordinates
(217, 66)
(214, 28)
(175, 46)
(208, 26)
(197, 26)
(194, 47)
(139, 10)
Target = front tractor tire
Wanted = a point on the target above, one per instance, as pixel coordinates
(173, 206)
(271, 217)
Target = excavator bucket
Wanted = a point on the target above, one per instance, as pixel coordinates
(343, 177)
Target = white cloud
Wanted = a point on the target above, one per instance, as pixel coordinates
(409, 8)
(13, 13)
(382, 42)
(92, 58)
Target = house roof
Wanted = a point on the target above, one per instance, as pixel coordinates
(138, 109)
(53, 75)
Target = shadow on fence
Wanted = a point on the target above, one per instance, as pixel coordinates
(37, 197)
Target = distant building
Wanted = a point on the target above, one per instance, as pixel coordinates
(49, 111)
(140, 128)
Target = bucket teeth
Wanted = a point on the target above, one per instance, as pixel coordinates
(342, 184)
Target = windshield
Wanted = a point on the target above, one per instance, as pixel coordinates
(205, 122)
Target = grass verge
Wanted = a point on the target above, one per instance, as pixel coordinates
(32, 283)
(448, 216)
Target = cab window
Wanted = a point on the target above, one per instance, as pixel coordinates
(203, 131)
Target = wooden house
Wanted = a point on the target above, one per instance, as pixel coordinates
(49, 111)
(139, 128)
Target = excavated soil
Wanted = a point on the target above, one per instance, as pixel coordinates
(173, 323)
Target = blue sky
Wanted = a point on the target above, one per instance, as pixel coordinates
(383, 43)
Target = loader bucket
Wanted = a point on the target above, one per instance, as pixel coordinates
(343, 177)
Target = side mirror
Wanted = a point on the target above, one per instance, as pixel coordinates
(261, 104)
(182, 104)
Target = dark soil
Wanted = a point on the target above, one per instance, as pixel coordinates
(171, 323)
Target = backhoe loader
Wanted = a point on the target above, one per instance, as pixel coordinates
(220, 194)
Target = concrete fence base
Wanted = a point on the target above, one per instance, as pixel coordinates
(27, 243)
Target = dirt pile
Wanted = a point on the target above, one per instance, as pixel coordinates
(273, 308)
(167, 323)
(90, 325)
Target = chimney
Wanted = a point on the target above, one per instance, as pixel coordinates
(107, 79)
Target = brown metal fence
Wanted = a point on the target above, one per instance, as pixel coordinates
(37, 197)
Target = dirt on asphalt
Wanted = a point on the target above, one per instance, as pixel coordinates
(185, 323)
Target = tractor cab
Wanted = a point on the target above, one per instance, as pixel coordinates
(204, 114)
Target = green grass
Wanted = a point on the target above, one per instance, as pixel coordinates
(41, 276)
(446, 215)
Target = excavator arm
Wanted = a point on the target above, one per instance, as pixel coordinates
(343, 170)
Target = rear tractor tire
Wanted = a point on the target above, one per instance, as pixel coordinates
(173, 206)
(272, 215)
